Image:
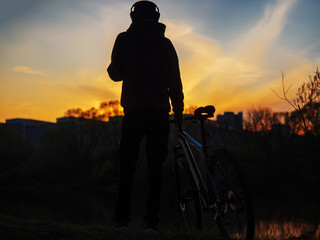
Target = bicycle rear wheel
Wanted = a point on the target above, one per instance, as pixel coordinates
(187, 195)
(233, 209)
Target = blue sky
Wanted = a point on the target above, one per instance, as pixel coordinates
(53, 54)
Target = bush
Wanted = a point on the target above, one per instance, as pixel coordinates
(15, 152)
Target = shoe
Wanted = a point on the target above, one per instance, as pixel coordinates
(121, 227)
(152, 230)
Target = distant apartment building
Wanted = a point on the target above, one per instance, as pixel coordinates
(31, 129)
(34, 129)
(230, 119)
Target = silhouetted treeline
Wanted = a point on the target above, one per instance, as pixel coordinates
(76, 151)
(82, 151)
(105, 110)
(276, 159)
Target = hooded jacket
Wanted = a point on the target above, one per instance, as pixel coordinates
(147, 63)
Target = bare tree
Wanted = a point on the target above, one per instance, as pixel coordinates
(308, 100)
(258, 120)
(305, 119)
(280, 118)
(106, 110)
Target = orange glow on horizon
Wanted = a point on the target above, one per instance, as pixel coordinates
(52, 102)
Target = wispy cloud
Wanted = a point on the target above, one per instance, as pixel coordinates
(255, 43)
(233, 79)
(27, 70)
(197, 53)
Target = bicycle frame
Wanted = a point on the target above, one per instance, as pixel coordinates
(184, 140)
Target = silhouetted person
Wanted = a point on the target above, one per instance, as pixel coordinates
(147, 64)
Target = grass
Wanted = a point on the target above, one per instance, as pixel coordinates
(17, 229)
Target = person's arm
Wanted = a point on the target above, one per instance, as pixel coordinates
(175, 87)
(115, 67)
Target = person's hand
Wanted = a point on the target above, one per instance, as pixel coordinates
(178, 119)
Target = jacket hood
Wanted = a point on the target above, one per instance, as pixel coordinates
(147, 32)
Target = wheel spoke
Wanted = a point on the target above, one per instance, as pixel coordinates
(237, 217)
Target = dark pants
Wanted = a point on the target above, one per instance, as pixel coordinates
(134, 127)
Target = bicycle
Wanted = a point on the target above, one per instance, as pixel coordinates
(218, 196)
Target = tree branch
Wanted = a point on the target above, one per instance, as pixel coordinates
(284, 92)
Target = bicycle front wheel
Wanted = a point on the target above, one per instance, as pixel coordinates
(187, 195)
(233, 208)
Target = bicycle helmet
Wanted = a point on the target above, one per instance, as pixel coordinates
(144, 10)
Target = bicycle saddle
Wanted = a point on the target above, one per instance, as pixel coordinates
(204, 112)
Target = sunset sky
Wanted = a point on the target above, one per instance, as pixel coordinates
(54, 53)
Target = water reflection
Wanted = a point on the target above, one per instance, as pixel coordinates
(286, 230)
